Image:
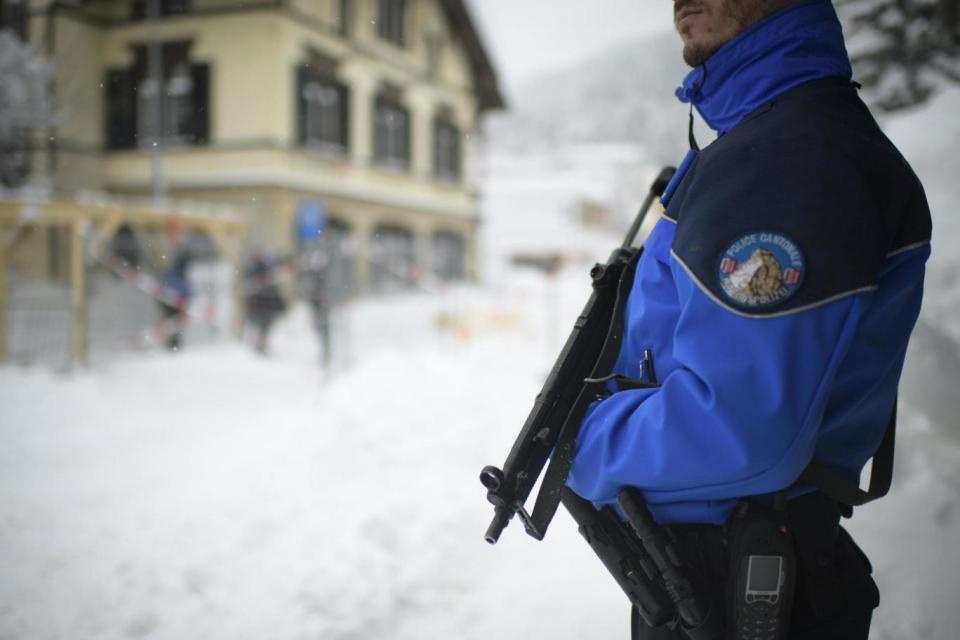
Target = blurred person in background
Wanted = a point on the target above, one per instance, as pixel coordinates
(174, 299)
(777, 295)
(315, 287)
(264, 301)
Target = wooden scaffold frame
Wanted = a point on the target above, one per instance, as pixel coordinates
(103, 220)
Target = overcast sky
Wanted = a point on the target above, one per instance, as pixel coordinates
(526, 37)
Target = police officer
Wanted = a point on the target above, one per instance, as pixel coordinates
(777, 294)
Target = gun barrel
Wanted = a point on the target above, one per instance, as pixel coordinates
(501, 518)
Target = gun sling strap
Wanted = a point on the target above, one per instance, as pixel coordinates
(556, 475)
(839, 488)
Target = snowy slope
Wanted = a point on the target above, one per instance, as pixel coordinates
(248, 500)
(622, 95)
(532, 200)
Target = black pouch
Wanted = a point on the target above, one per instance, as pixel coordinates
(862, 591)
(815, 522)
(833, 576)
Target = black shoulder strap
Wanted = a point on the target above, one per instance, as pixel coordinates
(563, 453)
(842, 490)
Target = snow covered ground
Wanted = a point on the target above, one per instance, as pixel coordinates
(216, 494)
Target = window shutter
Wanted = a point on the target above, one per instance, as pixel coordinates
(344, 116)
(382, 17)
(200, 124)
(400, 12)
(120, 109)
(379, 145)
(345, 18)
(138, 9)
(13, 16)
(455, 160)
(437, 148)
(406, 137)
(301, 102)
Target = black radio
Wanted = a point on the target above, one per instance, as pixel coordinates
(762, 574)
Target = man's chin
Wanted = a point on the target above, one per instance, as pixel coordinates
(695, 53)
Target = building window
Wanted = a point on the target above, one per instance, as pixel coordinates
(13, 17)
(169, 116)
(446, 148)
(449, 256)
(390, 22)
(393, 256)
(141, 110)
(323, 111)
(140, 9)
(324, 117)
(391, 133)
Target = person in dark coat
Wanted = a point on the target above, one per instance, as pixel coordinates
(264, 301)
(173, 300)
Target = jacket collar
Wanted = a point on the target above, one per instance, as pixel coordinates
(795, 45)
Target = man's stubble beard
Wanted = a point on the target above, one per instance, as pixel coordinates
(742, 14)
(696, 54)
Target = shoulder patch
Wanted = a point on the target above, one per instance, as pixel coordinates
(760, 270)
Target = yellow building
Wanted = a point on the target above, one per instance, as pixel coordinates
(360, 109)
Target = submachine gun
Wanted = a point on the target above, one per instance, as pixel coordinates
(638, 553)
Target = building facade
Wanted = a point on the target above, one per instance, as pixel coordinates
(361, 110)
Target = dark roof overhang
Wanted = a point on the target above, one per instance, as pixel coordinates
(485, 76)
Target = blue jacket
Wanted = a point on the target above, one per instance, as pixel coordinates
(777, 293)
(175, 285)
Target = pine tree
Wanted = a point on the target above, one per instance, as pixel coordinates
(25, 106)
(902, 50)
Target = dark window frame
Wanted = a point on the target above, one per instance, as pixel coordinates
(448, 255)
(13, 16)
(123, 108)
(325, 129)
(447, 149)
(393, 252)
(140, 9)
(344, 17)
(179, 86)
(391, 133)
(391, 21)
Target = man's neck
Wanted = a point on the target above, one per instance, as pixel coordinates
(800, 42)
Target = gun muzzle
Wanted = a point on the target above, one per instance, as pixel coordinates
(501, 519)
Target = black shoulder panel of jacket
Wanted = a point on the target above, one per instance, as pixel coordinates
(798, 205)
